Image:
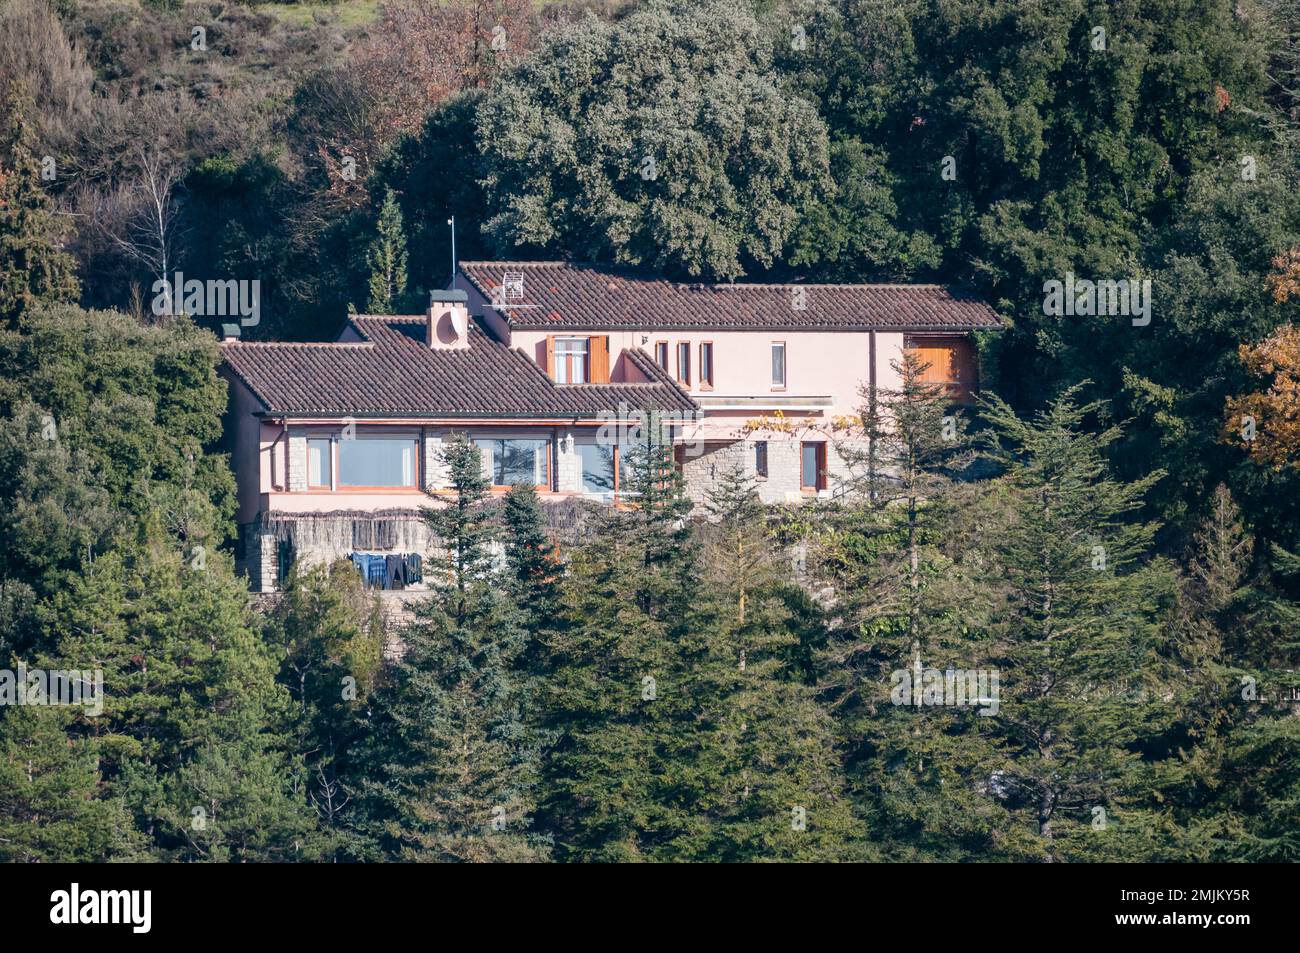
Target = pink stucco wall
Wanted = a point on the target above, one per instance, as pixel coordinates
(251, 471)
(818, 364)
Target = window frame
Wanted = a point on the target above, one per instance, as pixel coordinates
(785, 365)
(706, 381)
(613, 459)
(684, 374)
(327, 462)
(663, 365)
(819, 478)
(563, 359)
(549, 451)
(761, 459)
(416, 462)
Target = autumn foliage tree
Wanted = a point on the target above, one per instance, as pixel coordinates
(1268, 421)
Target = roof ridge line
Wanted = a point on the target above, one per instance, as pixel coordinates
(297, 343)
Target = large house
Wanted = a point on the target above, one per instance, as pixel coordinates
(336, 444)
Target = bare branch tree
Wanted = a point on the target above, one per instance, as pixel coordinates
(141, 218)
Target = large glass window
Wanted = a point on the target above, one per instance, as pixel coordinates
(318, 462)
(366, 461)
(508, 462)
(597, 468)
(571, 360)
(778, 363)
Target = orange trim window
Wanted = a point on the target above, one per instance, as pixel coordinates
(378, 461)
(706, 365)
(684, 362)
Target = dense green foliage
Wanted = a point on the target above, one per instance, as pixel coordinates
(720, 684)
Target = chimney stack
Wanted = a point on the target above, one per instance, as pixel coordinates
(447, 324)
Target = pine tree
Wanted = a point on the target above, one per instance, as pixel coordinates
(1234, 788)
(683, 732)
(50, 785)
(33, 266)
(531, 557)
(767, 749)
(332, 632)
(906, 476)
(449, 771)
(195, 739)
(897, 555)
(617, 697)
(386, 258)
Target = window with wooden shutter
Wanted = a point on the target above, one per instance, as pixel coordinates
(550, 356)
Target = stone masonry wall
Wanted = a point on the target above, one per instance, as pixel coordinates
(297, 460)
(568, 464)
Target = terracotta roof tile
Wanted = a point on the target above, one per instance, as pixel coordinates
(565, 295)
(391, 372)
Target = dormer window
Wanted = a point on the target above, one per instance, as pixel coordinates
(571, 360)
(577, 360)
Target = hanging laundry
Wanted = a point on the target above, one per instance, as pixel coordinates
(393, 571)
(414, 571)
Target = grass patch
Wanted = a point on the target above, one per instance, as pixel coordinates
(349, 13)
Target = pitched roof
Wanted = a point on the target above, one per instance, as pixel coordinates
(565, 295)
(392, 372)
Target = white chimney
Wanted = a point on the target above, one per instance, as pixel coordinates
(447, 324)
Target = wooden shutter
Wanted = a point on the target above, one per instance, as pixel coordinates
(952, 361)
(938, 354)
(550, 356)
(598, 358)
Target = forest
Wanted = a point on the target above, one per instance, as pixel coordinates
(1113, 529)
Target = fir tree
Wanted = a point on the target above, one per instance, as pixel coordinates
(767, 749)
(531, 557)
(1076, 637)
(449, 771)
(1233, 787)
(896, 555)
(386, 259)
(683, 733)
(617, 696)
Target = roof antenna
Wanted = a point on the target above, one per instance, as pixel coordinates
(452, 222)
